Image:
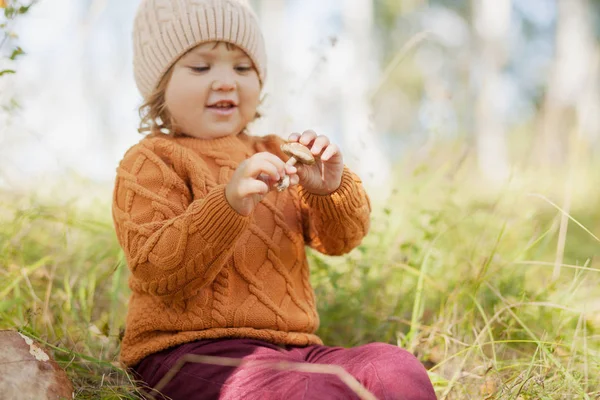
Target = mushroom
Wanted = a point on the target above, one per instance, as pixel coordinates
(298, 153)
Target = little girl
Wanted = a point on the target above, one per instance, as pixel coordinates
(217, 257)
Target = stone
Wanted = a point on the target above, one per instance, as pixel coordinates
(27, 371)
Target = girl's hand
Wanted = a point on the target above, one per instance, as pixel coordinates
(325, 176)
(254, 178)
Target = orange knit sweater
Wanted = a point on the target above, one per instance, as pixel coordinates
(199, 269)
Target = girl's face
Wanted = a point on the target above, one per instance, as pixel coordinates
(213, 92)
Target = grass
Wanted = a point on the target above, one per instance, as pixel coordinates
(460, 273)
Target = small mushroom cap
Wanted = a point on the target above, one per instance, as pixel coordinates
(299, 151)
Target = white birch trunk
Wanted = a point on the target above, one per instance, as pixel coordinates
(364, 152)
(492, 22)
(572, 103)
(276, 120)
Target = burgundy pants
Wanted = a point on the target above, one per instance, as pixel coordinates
(387, 371)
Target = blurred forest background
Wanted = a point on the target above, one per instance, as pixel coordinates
(475, 125)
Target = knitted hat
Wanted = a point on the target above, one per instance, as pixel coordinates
(164, 30)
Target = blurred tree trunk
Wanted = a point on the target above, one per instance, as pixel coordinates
(570, 117)
(103, 21)
(491, 21)
(571, 109)
(272, 16)
(364, 149)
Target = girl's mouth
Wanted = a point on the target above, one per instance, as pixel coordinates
(222, 108)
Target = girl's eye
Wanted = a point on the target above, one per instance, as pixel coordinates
(243, 69)
(199, 69)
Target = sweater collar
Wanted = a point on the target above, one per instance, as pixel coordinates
(222, 143)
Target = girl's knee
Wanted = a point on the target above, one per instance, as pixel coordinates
(394, 360)
(399, 373)
(377, 350)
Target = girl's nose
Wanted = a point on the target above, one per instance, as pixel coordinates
(223, 84)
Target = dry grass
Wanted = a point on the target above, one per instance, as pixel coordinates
(457, 272)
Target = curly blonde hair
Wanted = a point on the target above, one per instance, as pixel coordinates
(155, 116)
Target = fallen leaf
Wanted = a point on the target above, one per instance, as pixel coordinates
(488, 388)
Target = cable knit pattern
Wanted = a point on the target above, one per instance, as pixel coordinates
(200, 270)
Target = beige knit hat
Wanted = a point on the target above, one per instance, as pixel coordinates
(164, 30)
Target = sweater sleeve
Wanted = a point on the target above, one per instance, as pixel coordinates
(336, 223)
(174, 244)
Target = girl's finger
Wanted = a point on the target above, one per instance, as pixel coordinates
(329, 152)
(294, 137)
(307, 137)
(294, 179)
(272, 158)
(319, 144)
(269, 158)
(259, 166)
(254, 186)
(290, 169)
(265, 178)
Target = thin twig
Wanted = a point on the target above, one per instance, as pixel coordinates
(550, 264)
(565, 213)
